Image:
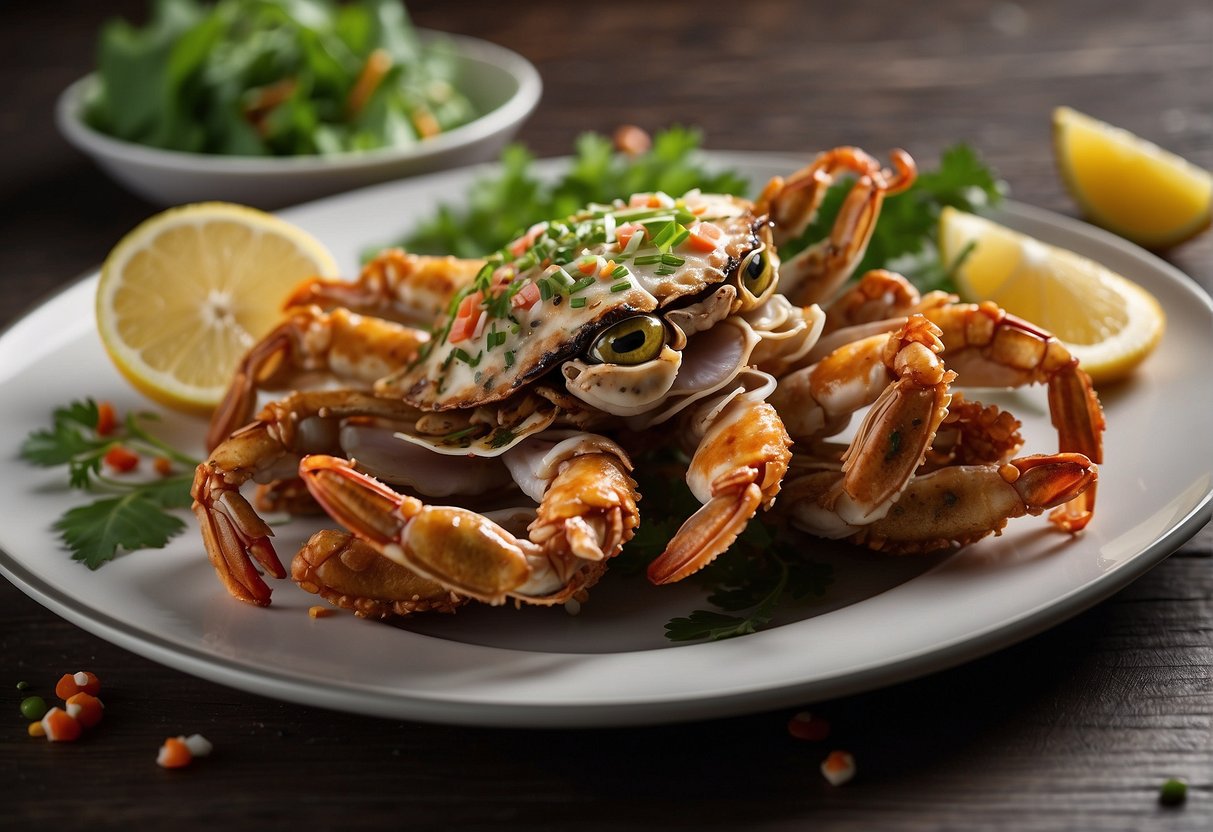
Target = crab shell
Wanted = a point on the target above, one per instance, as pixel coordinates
(507, 353)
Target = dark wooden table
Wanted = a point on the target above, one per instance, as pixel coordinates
(1072, 729)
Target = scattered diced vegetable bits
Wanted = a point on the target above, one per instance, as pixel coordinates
(85, 709)
(180, 751)
(72, 683)
(33, 707)
(60, 726)
(82, 709)
(838, 767)
(809, 727)
(1173, 792)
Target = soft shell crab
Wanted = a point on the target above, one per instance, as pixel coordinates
(656, 321)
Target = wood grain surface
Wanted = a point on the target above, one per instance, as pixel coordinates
(1073, 729)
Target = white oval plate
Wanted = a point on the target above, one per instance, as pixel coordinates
(882, 620)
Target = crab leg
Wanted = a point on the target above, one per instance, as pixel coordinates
(736, 469)
(952, 506)
(265, 450)
(815, 273)
(908, 388)
(587, 513)
(396, 285)
(361, 349)
(988, 347)
(817, 401)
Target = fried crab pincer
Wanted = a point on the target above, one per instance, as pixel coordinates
(472, 423)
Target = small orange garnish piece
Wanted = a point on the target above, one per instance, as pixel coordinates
(107, 419)
(85, 709)
(174, 754)
(60, 726)
(70, 684)
(121, 459)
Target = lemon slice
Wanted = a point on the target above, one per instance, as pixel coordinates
(1108, 322)
(188, 291)
(1128, 185)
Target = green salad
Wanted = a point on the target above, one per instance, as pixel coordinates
(274, 78)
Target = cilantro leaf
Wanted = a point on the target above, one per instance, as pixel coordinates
(94, 532)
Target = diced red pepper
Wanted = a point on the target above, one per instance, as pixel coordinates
(526, 297)
(461, 330)
(121, 459)
(625, 232)
(107, 419)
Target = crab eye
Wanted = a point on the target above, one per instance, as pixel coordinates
(756, 271)
(632, 341)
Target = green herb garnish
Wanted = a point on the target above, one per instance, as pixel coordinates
(905, 236)
(136, 514)
(500, 207)
(761, 573)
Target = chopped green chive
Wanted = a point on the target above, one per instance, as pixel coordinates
(545, 288)
(1173, 792)
(509, 358)
(620, 271)
(672, 259)
(584, 283)
(467, 359)
(647, 259)
(621, 286)
(577, 303)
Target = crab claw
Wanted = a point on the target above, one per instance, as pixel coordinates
(457, 548)
(231, 533)
(348, 572)
(749, 431)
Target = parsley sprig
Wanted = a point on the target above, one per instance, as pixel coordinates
(134, 514)
(762, 573)
(498, 208)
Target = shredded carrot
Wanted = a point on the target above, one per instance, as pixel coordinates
(107, 419)
(319, 612)
(373, 71)
(85, 709)
(587, 267)
(174, 754)
(605, 272)
(121, 459)
(60, 726)
(70, 684)
(36, 730)
(163, 466)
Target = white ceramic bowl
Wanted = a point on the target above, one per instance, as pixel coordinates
(501, 83)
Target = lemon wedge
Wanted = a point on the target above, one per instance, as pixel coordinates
(1108, 322)
(1128, 185)
(188, 291)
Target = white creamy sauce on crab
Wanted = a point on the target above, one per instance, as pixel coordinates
(526, 323)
